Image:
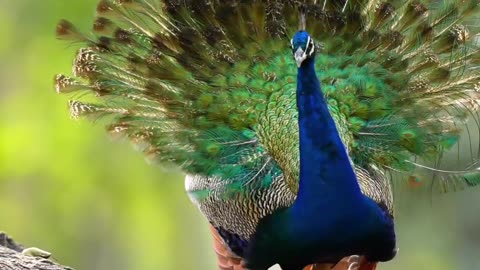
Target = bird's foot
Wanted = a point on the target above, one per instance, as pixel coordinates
(349, 263)
(354, 262)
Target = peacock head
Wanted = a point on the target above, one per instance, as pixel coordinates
(303, 47)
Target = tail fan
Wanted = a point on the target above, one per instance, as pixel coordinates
(192, 85)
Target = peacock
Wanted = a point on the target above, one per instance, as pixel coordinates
(289, 118)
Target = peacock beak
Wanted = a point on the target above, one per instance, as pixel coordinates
(300, 56)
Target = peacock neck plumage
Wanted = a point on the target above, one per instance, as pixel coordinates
(325, 168)
(330, 218)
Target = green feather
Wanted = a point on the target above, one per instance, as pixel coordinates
(210, 85)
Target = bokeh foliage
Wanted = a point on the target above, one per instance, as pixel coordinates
(96, 204)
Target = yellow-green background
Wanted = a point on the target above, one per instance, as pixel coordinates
(96, 204)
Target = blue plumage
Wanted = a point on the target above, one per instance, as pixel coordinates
(324, 162)
(330, 218)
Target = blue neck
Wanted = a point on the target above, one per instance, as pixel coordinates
(325, 169)
(330, 218)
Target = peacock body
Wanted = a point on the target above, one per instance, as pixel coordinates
(278, 136)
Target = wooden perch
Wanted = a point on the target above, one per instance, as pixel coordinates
(14, 257)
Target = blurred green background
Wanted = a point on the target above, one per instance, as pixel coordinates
(96, 204)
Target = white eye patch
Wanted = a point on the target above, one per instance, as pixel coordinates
(310, 47)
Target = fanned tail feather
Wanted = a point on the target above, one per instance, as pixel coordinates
(209, 86)
(401, 73)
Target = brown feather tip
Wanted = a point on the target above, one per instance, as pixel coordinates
(78, 109)
(122, 36)
(104, 7)
(64, 84)
(103, 25)
(84, 65)
(67, 31)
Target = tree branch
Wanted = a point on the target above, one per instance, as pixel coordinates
(14, 257)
